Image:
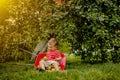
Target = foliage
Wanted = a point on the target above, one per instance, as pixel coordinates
(20, 30)
(91, 28)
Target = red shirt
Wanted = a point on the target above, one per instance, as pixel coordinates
(53, 54)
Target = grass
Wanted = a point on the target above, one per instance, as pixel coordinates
(75, 70)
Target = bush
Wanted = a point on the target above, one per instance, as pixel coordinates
(91, 27)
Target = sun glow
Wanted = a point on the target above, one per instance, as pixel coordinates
(4, 9)
(2, 3)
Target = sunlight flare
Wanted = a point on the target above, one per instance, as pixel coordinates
(2, 3)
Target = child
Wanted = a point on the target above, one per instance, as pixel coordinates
(52, 56)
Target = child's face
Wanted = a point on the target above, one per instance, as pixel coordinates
(51, 45)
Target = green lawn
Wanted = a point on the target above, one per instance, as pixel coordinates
(75, 70)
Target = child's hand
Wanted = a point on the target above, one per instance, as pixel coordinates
(45, 58)
(57, 59)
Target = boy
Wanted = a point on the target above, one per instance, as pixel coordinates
(52, 56)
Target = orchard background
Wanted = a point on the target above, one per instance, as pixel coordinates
(88, 32)
(86, 28)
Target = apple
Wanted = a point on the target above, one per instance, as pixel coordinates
(49, 68)
(45, 58)
(53, 69)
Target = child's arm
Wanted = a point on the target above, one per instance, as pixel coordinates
(57, 59)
